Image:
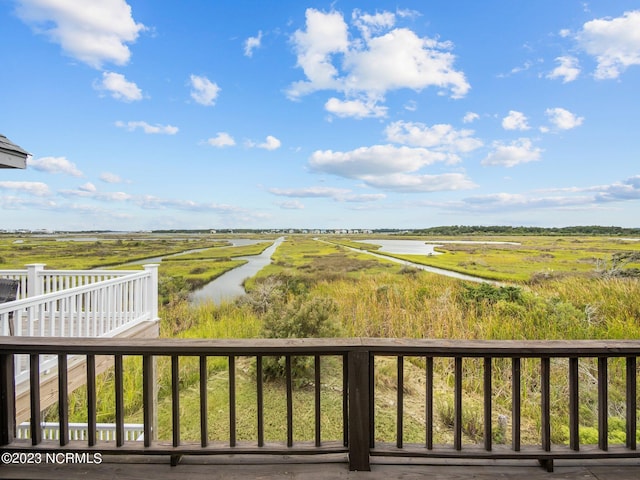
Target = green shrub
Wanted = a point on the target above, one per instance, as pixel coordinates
(301, 317)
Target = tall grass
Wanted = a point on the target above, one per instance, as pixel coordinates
(380, 299)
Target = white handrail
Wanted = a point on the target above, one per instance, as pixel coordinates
(99, 309)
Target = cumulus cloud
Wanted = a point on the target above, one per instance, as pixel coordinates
(251, 44)
(440, 137)
(355, 108)
(628, 189)
(38, 189)
(614, 42)
(271, 143)
(108, 177)
(563, 119)
(390, 167)
(515, 121)
(222, 139)
(470, 117)
(119, 87)
(55, 165)
(517, 152)
(91, 32)
(203, 90)
(374, 160)
(567, 70)
(402, 182)
(380, 59)
(148, 128)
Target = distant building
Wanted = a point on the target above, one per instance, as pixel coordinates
(11, 155)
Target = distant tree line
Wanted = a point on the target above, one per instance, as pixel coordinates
(505, 230)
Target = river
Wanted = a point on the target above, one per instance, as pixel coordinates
(229, 285)
(418, 247)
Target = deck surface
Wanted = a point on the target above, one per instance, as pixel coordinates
(232, 468)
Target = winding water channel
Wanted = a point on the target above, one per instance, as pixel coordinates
(229, 285)
(418, 247)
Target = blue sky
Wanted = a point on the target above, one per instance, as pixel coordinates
(346, 114)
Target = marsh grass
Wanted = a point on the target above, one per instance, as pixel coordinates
(379, 299)
(532, 257)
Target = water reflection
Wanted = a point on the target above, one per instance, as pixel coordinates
(229, 285)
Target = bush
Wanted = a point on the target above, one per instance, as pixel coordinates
(172, 290)
(302, 317)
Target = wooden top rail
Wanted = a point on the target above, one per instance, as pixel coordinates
(310, 346)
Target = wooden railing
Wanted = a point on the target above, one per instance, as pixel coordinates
(360, 360)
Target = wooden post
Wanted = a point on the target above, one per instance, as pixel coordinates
(359, 421)
(7, 400)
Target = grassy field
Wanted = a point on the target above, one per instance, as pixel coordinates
(518, 259)
(560, 288)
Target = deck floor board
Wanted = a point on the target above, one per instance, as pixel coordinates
(286, 468)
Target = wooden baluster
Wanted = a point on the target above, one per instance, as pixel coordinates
(429, 402)
(204, 416)
(574, 405)
(631, 403)
(487, 404)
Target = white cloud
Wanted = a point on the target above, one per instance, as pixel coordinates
(55, 165)
(354, 108)
(614, 42)
(89, 190)
(222, 139)
(108, 177)
(515, 121)
(148, 128)
(470, 117)
(374, 160)
(119, 87)
(310, 192)
(568, 69)
(38, 189)
(563, 119)
(628, 189)
(92, 32)
(203, 91)
(337, 194)
(368, 65)
(440, 137)
(515, 153)
(376, 23)
(88, 187)
(401, 59)
(566, 198)
(402, 182)
(326, 34)
(390, 167)
(271, 143)
(291, 205)
(251, 44)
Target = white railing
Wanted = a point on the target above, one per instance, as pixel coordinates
(95, 309)
(99, 307)
(133, 432)
(35, 280)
